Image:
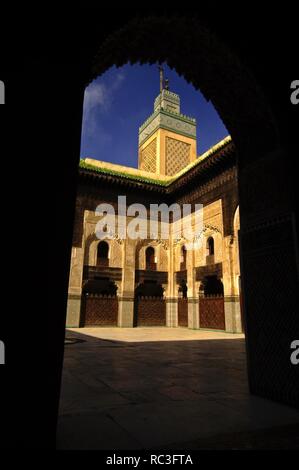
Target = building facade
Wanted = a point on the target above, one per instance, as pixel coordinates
(151, 280)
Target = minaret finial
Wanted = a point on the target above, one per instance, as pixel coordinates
(161, 70)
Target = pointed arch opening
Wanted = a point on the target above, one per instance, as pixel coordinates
(150, 259)
(103, 254)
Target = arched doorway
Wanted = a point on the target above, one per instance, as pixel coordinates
(99, 305)
(269, 229)
(255, 134)
(211, 304)
(149, 306)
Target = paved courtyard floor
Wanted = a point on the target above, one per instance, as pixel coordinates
(171, 388)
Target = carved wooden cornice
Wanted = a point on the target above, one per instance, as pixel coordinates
(141, 275)
(212, 269)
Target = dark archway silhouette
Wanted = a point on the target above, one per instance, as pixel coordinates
(266, 144)
(141, 41)
(211, 66)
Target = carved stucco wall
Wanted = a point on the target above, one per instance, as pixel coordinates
(161, 254)
(167, 252)
(177, 155)
(212, 227)
(148, 157)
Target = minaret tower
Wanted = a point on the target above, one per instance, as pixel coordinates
(167, 139)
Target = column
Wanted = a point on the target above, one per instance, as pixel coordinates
(126, 297)
(73, 314)
(172, 295)
(232, 309)
(193, 300)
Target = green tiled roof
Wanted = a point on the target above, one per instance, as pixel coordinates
(109, 171)
(155, 181)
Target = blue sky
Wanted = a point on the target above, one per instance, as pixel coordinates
(118, 102)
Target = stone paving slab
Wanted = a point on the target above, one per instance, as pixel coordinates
(154, 387)
(142, 334)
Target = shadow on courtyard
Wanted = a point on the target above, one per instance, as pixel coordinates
(188, 394)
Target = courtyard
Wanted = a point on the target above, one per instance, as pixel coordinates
(170, 388)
